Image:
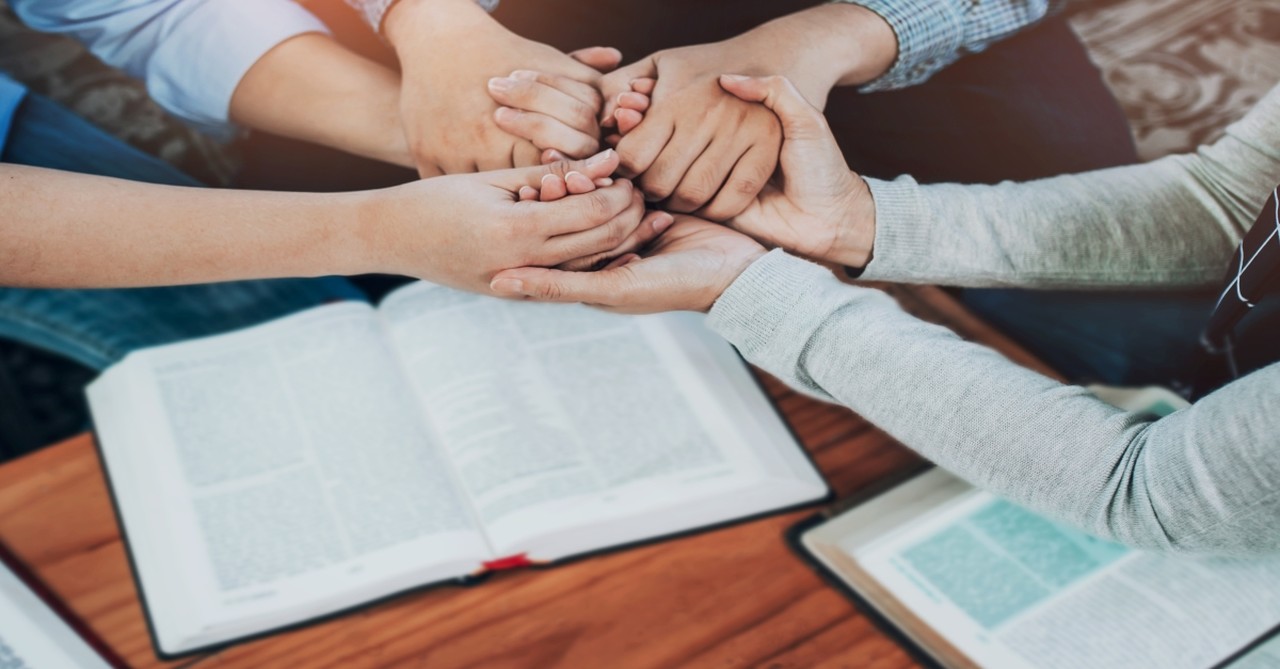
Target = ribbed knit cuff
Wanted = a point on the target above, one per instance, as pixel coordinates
(771, 306)
(903, 231)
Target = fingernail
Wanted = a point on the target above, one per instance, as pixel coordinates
(527, 75)
(504, 113)
(574, 173)
(600, 158)
(547, 176)
(509, 286)
(500, 84)
(661, 223)
(556, 155)
(734, 77)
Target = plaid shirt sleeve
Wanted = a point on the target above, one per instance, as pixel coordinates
(932, 34)
(374, 11)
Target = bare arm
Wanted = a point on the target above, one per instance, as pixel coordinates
(311, 88)
(64, 230)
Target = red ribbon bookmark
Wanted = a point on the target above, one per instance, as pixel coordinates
(512, 562)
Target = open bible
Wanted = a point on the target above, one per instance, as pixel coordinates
(967, 580)
(37, 631)
(285, 472)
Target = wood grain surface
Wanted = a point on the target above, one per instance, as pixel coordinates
(735, 597)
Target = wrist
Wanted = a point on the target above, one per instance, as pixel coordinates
(363, 238)
(734, 268)
(832, 45)
(412, 22)
(856, 235)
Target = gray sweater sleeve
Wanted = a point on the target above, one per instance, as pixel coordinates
(1171, 223)
(1204, 479)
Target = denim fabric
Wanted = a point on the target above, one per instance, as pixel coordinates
(11, 95)
(46, 134)
(98, 327)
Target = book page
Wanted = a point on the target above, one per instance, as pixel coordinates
(1011, 589)
(557, 416)
(32, 636)
(294, 473)
(978, 581)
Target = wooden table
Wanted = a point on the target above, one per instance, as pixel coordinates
(730, 598)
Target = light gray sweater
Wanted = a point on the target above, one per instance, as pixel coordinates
(1204, 479)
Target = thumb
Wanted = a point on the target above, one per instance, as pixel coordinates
(602, 58)
(553, 285)
(596, 167)
(800, 119)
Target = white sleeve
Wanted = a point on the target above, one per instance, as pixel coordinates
(190, 53)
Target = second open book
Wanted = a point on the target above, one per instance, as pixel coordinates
(285, 472)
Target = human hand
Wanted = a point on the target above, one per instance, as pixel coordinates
(453, 56)
(818, 48)
(697, 147)
(555, 113)
(461, 230)
(817, 207)
(686, 269)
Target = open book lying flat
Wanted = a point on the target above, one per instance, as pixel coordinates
(282, 473)
(969, 580)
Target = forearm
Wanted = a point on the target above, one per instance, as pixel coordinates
(1205, 479)
(1170, 223)
(375, 12)
(820, 48)
(313, 89)
(64, 230)
(411, 24)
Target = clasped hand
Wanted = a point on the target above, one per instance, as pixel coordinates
(815, 207)
(696, 143)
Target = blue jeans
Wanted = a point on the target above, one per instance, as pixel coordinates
(98, 327)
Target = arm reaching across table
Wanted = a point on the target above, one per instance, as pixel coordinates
(1204, 479)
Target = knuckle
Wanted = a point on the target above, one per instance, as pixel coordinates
(583, 146)
(696, 190)
(549, 290)
(560, 168)
(524, 92)
(629, 162)
(658, 183)
(594, 99)
(584, 118)
(750, 180)
(619, 230)
(718, 211)
(599, 208)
